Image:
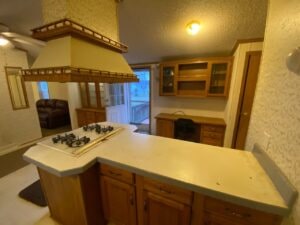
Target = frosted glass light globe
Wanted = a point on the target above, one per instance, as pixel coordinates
(193, 28)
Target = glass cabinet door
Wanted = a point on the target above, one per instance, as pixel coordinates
(218, 79)
(167, 80)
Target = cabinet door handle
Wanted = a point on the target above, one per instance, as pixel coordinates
(238, 215)
(113, 173)
(145, 205)
(245, 113)
(164, 191)
(131, 200)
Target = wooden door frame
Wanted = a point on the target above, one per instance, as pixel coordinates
(241, 96)
(147, 66)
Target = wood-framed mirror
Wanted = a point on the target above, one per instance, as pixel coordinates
(16, 87)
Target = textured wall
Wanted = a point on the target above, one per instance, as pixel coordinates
(277, 101)
(16, 126)
(235, 87)
(99, 15)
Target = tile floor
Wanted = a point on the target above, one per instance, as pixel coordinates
(16, 211)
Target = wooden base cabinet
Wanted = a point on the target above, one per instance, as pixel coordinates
(118, 196)
(118, 201)
(160, 203)
(124, 198)
(73, 200)
(209, 131)
(159, 210)
(165, 128)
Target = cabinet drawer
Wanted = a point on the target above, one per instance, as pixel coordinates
(213, 128)
(212, 219)
(211, 141)
(212, 135)
(239, 214)
(168, 191)
(118, 174)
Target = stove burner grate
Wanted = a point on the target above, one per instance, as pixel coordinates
(98, 128)
(70, 140)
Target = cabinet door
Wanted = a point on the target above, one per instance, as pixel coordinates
(100, 116)
(167, 79)
(219, 79)
(81, 118)
(118, 201)
(165, 128)
(161, 211)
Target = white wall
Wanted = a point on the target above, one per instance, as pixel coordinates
(276, 108)
(16, 126)
(235, 87)
(69, 92)
(210, 107)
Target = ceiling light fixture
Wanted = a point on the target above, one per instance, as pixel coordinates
(193, 28)
(3, 41)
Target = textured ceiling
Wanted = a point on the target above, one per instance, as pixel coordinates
(154, 30)
(21, 16)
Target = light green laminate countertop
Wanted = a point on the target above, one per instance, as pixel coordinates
(231, 175)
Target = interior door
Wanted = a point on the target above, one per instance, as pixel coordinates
(246, 98)
(161, 211)
(116, 103)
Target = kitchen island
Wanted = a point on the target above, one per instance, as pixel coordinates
(190, 183)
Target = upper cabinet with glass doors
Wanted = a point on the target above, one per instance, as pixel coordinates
(168, 72)
(201, 77)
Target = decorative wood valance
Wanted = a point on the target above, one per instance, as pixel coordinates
(72, 74)
(66, 27)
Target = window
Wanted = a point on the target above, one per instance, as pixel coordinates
(116, 94)
(43, 90)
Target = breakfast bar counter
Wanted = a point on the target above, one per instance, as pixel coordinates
(229, 175)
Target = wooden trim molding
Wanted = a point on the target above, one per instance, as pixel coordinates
(242, 41)
(73, 74)
(66, 27)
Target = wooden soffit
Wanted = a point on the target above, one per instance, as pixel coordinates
(71, 74)
(66, 27)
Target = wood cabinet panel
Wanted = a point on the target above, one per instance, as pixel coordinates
(165, 128)
(73, 200)
(87, 116)
(212, 134)
(116, 173)
(220, 210)
(212, 130)
(118, 201)
(201, 77)
(161, 211)
(168, 191)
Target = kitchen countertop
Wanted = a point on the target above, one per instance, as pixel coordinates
(231, 175)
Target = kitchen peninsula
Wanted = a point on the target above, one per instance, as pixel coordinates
(141, 179)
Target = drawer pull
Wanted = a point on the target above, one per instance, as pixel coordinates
(131, 199)
(164, 191)
(114, 174)
(238, 215)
